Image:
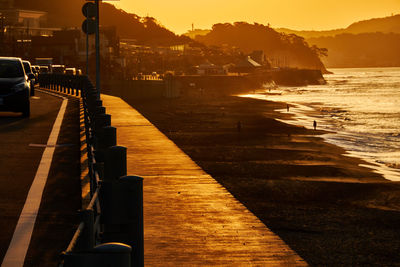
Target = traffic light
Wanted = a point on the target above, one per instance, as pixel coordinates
(90, 12)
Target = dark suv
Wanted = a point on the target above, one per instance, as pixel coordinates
(14, 86)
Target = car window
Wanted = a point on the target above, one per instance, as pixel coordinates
(27, 67)
(11, 69)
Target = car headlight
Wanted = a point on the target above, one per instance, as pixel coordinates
(19, 87)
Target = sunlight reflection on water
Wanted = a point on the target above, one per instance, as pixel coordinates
(360, 105)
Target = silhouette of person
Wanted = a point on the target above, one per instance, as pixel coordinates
(315, 125)
(287, 107)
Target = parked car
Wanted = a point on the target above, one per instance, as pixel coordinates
(44, 69)
(14, 86)
(70, 71)
(30, 74)
(35, 71)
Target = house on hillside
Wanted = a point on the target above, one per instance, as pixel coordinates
(246, 65)
(17, 28)
(258, 56)
(69, 46)
(210, 69)
(21, 23)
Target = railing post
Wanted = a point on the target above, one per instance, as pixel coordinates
(100, 121)
(115, 163)
(107, 137)
(122, 214)
(131, 190)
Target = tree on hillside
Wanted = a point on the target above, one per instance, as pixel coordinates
(68, 14)
(294, 50)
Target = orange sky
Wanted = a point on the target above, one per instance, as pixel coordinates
(178, 15)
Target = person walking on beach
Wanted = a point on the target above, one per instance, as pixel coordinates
(315, 125)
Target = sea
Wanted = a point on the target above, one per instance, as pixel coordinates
(360, 107)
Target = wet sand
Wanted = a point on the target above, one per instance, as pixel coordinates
(325, 206)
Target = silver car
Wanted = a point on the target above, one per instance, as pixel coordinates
(30, 74)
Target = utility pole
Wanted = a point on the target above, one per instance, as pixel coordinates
(87, 44)
(2, 34)
(97, 18)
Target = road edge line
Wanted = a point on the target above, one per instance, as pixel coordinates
(18, 248)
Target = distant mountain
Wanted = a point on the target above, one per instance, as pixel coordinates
(367, 43)
(384, 25)
(68, 14)
(281, 49)
(360, 50)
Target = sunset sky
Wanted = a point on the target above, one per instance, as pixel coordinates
(178, 15)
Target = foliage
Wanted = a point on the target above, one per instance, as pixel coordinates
(68, 14)
(289, 49)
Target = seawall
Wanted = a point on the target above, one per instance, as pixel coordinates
(175, 86)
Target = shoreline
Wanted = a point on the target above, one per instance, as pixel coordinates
(299, 116)
(301, 187)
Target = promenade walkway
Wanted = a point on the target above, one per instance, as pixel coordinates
(189, 218)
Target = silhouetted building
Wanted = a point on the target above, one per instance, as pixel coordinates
(62, 46)
(210, 69)
(246, 65)
(258, 56)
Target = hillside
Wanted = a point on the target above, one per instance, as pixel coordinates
(281, 49)
(69, 14)
(367, 43)
(384, 25)
(360, 50)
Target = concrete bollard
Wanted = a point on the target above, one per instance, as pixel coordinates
(94, 111)
(98, 102)
(131, 190)
(103, 255)
(91, 97)
(107, 137)
(114, 163)
(97, 110)
(100, 121)
(122, 213)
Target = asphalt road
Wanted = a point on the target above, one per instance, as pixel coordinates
(22, 143)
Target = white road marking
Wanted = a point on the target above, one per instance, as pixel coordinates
(16, 253)
(47, 145)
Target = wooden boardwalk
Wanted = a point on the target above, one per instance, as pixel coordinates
(189, 218)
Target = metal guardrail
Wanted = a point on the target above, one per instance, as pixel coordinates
(111, 228)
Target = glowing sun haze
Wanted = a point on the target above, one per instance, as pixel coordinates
(178, 15)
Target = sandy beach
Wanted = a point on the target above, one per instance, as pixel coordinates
(324, 205)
